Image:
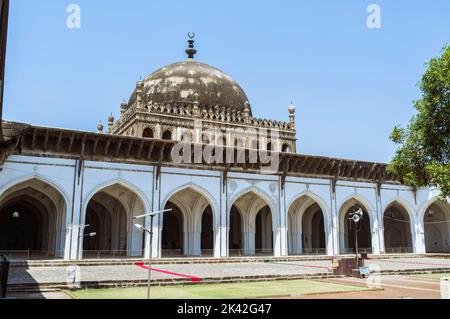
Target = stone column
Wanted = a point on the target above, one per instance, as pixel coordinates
(298, 245)
(249, 243)
(74, 244)
(220, 242)
(283, 224)
(335, 225)
(278, 249)
(375, 233)
(196, 244)
(380, 215)
(157, 226)
(221, 236)
(330, 235)
(419, 240)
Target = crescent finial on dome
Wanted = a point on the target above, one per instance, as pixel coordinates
(191, 51)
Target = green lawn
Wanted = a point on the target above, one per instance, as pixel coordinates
(219, 291)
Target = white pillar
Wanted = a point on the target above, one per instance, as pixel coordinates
(74, 244)
(221, 242)
(283, 224)
(221, 236)
(330, 249)
(419, 242)
(277, 251)
(155, 250)
(380, 217)
(375, 232)
(196, 243)
(298, 245)
(249, 243)
(335, 231)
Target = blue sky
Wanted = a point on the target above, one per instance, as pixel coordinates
(351, 84)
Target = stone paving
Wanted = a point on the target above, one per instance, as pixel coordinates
(45, 275)
(48, 275)
(399, 264)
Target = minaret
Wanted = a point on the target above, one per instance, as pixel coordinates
(123, 107)
(247, 112)
(292, 115)
(139, 91)
(195, 105)
(190, 51)
(110, 123)
(100, 127)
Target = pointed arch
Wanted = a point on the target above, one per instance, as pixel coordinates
(314, 197)
(300, 231)
(404, 204)
(260, 193)
(195, 236)
(199, 189)
(344, 235)
(119, 181)
(256, 225)
(119, 236)
(427, 204)
(434, 219)
(362, 200)
(398, 235)
(42, 220)
(30, 178)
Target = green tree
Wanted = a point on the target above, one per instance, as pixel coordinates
(422, 158)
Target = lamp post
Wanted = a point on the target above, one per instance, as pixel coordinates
(356, 217)
(150, 232)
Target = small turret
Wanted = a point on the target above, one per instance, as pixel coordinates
(123, 107)
(291, 110)
(139, 92)
(247, 112)
(110, 123)
(100, 127)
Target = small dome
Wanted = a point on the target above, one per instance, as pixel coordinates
(291, 108)
(177, 83)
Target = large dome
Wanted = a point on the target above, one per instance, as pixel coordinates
(177, 83)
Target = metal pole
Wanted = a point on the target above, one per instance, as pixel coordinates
(356, 244)
(150, 257)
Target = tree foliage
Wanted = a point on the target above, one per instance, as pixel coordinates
(422, 158)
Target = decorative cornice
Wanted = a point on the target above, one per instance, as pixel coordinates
(214, 114)
(63, 143)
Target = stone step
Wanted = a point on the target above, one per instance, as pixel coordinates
(44, 287)
(202, 260)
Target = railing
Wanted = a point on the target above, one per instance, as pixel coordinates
(207, 253)
(236, 252)
(399, 250)
(178, 253)
(361, 250)
(111, 254)
(313, 251)
(28, 254)
(264, 252)
(172, 253)
(16, 254)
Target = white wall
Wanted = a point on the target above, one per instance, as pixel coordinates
(78, 184)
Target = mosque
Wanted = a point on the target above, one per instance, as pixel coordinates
(188, 140)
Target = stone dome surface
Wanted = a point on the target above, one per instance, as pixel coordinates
(178, 83)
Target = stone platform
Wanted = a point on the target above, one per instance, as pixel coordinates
(124, 273)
